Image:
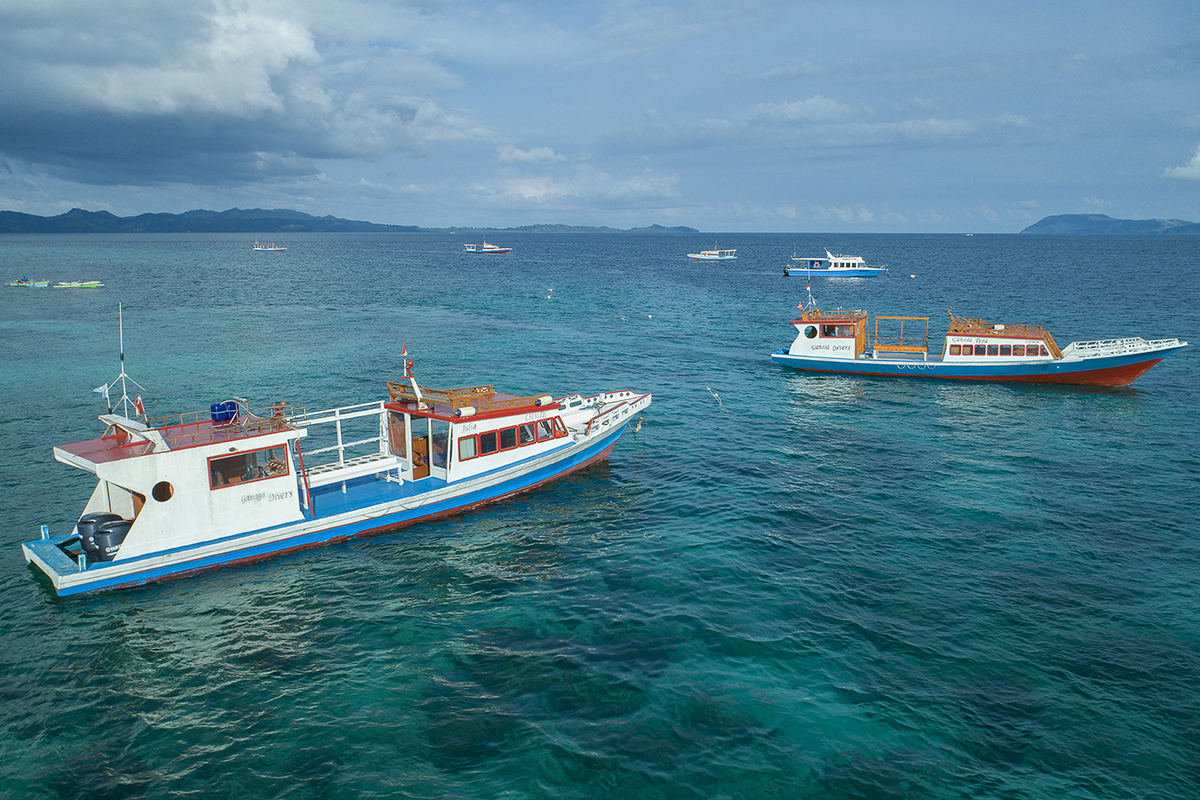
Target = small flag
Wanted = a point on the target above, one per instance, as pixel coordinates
(138, 407)
(104, 391)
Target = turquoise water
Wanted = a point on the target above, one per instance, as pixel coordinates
(781, 586)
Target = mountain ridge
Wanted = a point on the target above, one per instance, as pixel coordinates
(1066, 224)
(256, 220)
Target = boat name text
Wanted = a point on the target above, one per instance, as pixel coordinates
(270, 497)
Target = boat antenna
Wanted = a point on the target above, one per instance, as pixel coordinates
(125, 379)
(811, 303)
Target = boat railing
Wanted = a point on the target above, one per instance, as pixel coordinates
(190, 433)
(338, 416)
(1105, 347)
(902, 343)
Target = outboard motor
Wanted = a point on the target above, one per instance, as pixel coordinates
(88, 524)
(108, 538)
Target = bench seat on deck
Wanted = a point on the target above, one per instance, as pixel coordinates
(324, 474)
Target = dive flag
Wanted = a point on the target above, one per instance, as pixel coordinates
(104, 391)
(138, 407)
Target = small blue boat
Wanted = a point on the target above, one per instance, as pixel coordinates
(833, 267)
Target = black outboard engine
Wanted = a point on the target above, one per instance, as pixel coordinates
(87, 526)
(108, 538)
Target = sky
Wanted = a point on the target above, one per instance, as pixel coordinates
(838, 116)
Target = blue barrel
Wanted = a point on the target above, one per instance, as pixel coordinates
(224, 412)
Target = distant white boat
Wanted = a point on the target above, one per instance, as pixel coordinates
(486, 248)
(265, 246)
(714, 255)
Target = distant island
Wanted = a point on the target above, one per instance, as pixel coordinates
(1104, 224)
(256, 220)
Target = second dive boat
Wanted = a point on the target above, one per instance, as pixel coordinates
(974, 350)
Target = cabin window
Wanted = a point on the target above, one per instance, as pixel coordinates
(545, 430)
(397, 434)
(468, 448)
(810, 332)
(1018, 349)
(439, 431)
(245, 467)
(980, 350)
(488, 443)
(1006, 349)
(993, 349)
(955, 349)
(526, 434)
(837, 331)
(508, 438)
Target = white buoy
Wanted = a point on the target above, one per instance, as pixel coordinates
(912, 276)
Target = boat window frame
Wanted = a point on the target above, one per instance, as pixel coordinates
(993, 349)
(474, 442)
(1020, 354)
(956, 350)
(244, 457)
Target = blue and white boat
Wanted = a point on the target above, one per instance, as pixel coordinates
(832, 266)
(194, 491)
(841, 342)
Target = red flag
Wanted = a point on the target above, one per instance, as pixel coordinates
(138, 407)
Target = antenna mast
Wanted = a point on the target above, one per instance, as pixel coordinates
(123, 378)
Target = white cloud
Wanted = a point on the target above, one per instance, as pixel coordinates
(534, 155)
(1189, 171)
(586, 183)
(814, 109)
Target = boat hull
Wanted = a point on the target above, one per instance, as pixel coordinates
(398, 512)
(867, 272)
(1118, 370)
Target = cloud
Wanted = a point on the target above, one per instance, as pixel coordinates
(534, 155)
(1189, 171)
(814, 109)
(587, 183)
(141, 93)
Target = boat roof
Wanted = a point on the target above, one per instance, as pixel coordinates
(965, 326)
(443, 403)
(128, 438)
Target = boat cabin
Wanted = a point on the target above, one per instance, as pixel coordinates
(969, 340)
(458, 433)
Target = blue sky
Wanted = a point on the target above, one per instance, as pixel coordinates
(849, 115)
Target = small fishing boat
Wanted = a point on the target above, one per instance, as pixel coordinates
(973, 350)
(486, 248)
(24, 282)
(267, 246)
(192, 491)
(729, 254)
(78, 285)
(832, 266)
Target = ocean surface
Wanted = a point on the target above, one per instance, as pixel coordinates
(782, 585)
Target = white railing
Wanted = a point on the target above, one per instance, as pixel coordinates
(1117, 347)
